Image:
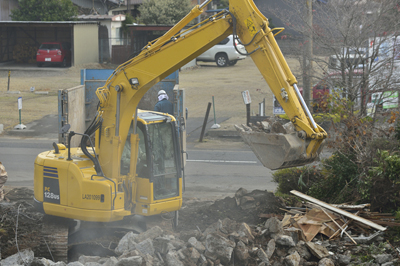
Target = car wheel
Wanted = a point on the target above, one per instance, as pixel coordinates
(64, 63)
(39, 64)
(233, 62)
(221, 60)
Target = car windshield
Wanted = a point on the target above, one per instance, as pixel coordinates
(49, 46)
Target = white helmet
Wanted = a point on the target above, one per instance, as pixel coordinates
(161, 92)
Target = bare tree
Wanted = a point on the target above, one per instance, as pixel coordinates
(360, 43)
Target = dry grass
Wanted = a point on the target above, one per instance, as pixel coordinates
(34, 106)
(200, 83)
(226, 85)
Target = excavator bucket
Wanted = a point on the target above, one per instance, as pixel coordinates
(277, 150)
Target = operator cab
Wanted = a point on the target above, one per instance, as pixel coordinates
(158, 158)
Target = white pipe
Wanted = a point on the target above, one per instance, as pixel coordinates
(303, 103)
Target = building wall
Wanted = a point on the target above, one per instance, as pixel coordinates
(5, 9)
(86, 35)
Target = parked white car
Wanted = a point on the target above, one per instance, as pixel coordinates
(223, 53)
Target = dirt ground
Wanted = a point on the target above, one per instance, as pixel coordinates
(201, 83)
(226, 85)
(34, 106)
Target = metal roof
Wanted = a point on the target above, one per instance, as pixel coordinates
(48, 22)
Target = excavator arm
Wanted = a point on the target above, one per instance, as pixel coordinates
(121, 94)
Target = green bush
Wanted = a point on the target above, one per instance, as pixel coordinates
(382, 186)
(331, 183)
(300, 178)
(339, 178)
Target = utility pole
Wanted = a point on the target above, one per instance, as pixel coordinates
(308, 55)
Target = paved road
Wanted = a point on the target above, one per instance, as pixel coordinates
(18, 157)
(219, 173)
(214, 169)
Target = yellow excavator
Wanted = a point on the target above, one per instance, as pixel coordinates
(134, 165)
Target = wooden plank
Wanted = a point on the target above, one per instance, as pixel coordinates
(344, 226)
(339, 226)
(351, 207)
(337, 210)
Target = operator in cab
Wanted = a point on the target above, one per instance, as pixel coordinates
(163, 105)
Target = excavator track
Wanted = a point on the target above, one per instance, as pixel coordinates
(55, 236)
(66, 239)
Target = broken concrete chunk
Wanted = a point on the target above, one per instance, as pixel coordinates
(127, 243)
(180, 254)
(214, 228)
(146, 247)
(246, 199)
(277, 128)
(343, 259)
(289, 127)
(326, 262)
(241, 252)
(25, 257)
(46, 262)
(270, 248)
(240, 192)
(149, 260)
(185, 235)
(85, 259)
(196, 244)
(266, 126)
(302, 250)
(292, 260)
(294, 233)
(131, 261)
(284, 240)
(172, 259)
(245, 230)
(193, 255)
(262, 256)
(74, 263)
(274, 225)
(131, 253)
(112, 261)
(383, 258)
(317, 250)
(218, 247)
(152, 233)
(163, 245)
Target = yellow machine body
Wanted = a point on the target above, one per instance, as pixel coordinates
(72, 188)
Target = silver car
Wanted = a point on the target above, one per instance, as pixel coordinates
(223, 53)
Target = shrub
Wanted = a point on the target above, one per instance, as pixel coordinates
(300, 178)
(339, 177)
(383, 183)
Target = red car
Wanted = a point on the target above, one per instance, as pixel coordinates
(54, 53)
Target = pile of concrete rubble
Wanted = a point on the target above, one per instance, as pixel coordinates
(224, 243)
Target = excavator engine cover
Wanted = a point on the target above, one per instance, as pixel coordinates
(277, 150)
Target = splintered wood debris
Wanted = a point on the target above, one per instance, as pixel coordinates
(332, 220)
